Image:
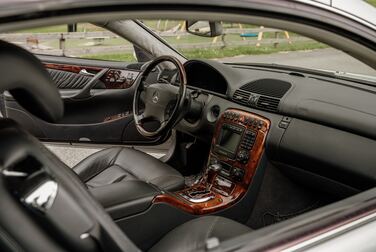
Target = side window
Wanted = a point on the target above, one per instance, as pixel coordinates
(82, 40)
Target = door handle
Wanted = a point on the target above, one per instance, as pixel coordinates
(85, 91)
(85, 72)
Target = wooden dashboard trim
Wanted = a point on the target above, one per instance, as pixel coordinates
(219, 200)
(71, 68)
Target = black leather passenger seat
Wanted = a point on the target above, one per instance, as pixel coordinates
(119, 164)
(193, 235)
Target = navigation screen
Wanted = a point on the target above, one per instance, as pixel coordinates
(229, 140)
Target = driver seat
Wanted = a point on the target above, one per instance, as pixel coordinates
(120, 164)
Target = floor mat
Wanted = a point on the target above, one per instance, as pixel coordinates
(280, 199)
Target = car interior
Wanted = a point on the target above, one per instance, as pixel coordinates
(252, 146)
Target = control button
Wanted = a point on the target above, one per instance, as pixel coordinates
(238, 174)
(243, 156)
(283, 124)
(223, 182)
(213, 161)
(250, 133)
(215, 167)
(225, 173)
(286, 119)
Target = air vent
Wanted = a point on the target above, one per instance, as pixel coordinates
(241, 96)
(262, 94)
(269, 87)
(267, 103)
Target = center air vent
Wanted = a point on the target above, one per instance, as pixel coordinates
(263, 94)
(269, 87)
(241, 96)
(267, 103)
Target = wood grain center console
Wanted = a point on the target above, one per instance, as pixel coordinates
(237, 147)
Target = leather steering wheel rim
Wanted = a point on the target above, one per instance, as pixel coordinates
(165, 126)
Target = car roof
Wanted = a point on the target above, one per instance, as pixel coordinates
(357, 10)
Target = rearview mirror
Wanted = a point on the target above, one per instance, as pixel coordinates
(204, 28)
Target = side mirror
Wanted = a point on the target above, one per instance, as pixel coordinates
(204, 28)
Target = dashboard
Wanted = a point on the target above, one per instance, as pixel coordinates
(343, 104)
(322, 129)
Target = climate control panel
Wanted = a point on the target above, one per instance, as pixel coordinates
(235, 144)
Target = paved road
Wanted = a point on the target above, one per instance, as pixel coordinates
(327, 59)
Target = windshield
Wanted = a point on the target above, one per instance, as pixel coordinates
(246, 43)
(235, 43)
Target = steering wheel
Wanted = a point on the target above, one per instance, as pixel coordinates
(163, 102)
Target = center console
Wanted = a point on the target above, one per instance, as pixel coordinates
(236, 150)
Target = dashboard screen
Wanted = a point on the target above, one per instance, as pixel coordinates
(229, 140)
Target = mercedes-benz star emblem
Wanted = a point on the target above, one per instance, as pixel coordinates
(155, 98)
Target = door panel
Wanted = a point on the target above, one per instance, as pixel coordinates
(103, 117)
(70, 61)
(102, 104)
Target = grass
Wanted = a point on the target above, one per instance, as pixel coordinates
(80, 43)
(211, 53)
(371, 2)
(126, 57)
(222, 53)
(206, 53)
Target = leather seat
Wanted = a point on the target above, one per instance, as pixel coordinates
(119, 164)
(192, 235)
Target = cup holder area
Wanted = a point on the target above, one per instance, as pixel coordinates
(199, 196)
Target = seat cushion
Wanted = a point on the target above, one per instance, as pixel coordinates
(119, 164)
(192, 235)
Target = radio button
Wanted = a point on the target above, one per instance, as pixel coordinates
(238, 174)
(243, 156)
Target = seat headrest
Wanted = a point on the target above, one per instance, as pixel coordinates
(25, 77)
